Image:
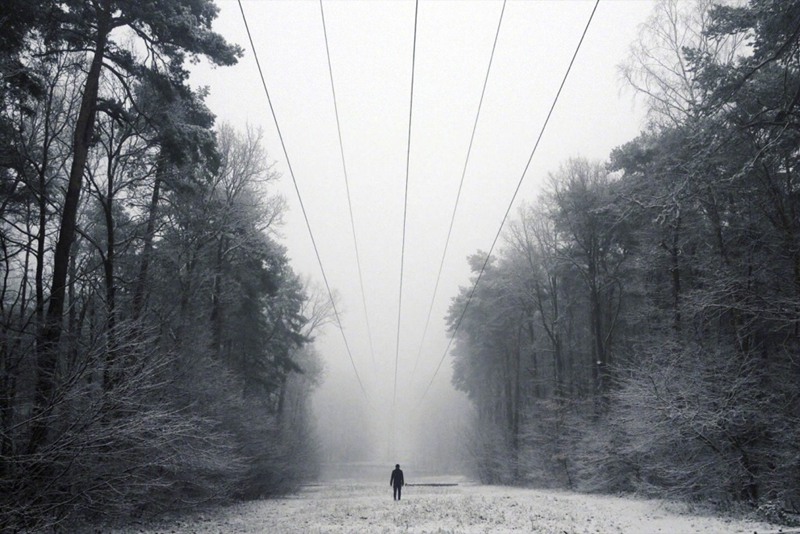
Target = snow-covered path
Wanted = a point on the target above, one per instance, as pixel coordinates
(369, 508)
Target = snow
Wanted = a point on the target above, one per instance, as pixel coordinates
(351, 507)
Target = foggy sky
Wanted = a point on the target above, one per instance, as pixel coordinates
(371, 52)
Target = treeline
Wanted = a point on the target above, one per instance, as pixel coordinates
(640, 329)
(154, 341)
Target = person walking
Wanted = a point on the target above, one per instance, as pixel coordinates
(397, 481)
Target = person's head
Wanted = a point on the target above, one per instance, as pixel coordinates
(397, 466)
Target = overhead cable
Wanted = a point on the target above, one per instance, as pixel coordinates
(300, 199)
(347, 186)
(405, 206)
(511, 202)
(458, 194)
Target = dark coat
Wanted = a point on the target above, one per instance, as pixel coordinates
(397, 478)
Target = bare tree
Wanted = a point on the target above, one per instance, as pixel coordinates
(657, 66)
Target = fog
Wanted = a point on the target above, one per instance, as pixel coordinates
(392, 420)
(430, 438)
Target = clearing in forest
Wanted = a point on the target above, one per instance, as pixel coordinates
(348, 507)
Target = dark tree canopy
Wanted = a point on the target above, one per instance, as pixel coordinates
(639, 332)
(152, 331)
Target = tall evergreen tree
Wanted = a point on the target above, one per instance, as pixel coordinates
(170, 30)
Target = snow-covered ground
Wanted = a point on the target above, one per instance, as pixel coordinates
(351, 507)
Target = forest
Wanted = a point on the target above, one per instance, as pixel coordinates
(155, 344)
(639, 329)
(637, 332)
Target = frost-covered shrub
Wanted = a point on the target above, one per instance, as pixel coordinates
(118, 447)
(598, 464)
(693, 425)
(492, 455)
(546, 451)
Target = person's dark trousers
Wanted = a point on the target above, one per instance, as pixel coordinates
(397, 490)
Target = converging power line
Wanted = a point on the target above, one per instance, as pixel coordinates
(347, 187)
(458, 193)
(405, 207)
(511, 202)
(300, 199)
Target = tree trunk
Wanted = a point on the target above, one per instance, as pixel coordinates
(10, 353)
(536, 390)
(110, 375)
(596, 321)
(42, 206)
(149, 236)
(676, 278)
(518, 405)
(50, 335)
(216, 302)
(558, 357)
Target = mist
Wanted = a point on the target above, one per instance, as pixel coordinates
(511, 248)
(359, 442)
(370, 46)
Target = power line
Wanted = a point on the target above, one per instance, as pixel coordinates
(458, 194)
(300, 199)
(405, 207)
(347, 186)
(511, 203)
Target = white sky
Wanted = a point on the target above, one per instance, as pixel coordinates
(371, 51)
